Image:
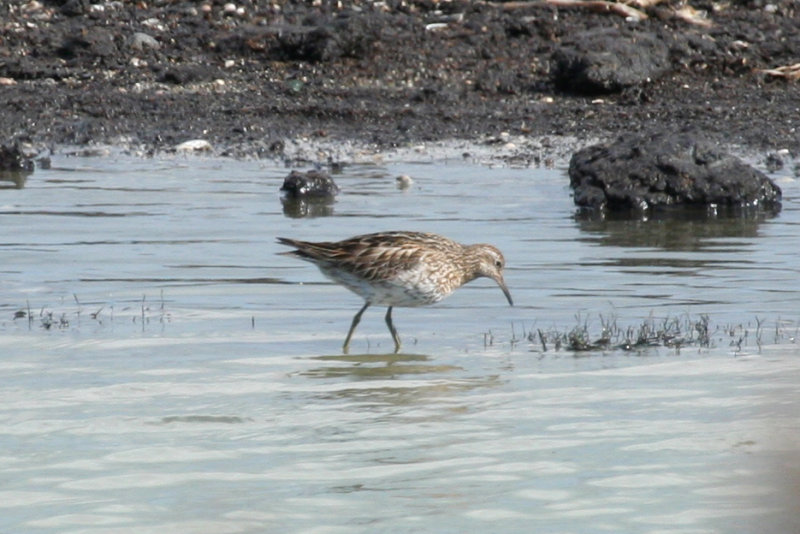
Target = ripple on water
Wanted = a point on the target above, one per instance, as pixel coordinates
(195, 382)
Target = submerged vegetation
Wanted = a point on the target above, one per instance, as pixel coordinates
(604, 334)
(674, 332)
(141, 312)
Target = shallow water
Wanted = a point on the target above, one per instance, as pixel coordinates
(191, 379)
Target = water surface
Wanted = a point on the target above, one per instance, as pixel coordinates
(191, 379)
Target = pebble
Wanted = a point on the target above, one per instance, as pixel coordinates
(194, 145)
(403, 181)
(774, 162)
(434, 26)
(32, 6)
(154, 23)
(141, 41)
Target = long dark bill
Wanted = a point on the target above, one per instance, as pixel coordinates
(506, 292)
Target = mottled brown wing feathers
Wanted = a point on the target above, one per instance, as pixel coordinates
(382, 260)
(371, 256)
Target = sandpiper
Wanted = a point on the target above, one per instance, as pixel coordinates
(400, 269)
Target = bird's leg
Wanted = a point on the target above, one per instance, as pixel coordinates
(353, 326)
(392, 329)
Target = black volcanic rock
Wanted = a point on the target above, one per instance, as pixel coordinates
(664, 170)
(608, 61)
(309, 184)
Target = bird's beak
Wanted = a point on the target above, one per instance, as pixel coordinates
(502, 284)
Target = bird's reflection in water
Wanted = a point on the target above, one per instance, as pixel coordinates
(299, 208)
(13, 179)
(376, 366)
(395, 379)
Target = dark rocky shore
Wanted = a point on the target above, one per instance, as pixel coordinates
(247, 75)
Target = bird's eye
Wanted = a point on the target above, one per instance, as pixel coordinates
(498, 264)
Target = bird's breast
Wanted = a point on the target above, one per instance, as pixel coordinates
(407, 288)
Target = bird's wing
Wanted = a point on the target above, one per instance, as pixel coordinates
(380, 256)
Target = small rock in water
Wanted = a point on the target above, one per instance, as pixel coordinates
(13, 159)
(309, 184)
(774, 162)
(195, 145)
(15, 166)
(403, 181)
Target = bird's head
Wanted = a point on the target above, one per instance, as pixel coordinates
(489, 262)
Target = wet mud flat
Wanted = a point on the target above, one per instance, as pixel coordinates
(249, 76)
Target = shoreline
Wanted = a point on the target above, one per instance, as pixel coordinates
(380, 75)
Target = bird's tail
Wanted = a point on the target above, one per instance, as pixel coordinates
(291, 243)
(302, 249)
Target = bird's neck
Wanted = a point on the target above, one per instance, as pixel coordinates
(470, 264)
